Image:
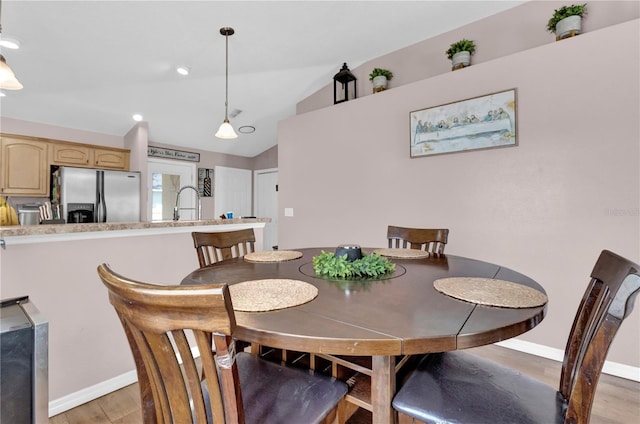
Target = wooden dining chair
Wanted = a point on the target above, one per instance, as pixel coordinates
(218, 246)
(458, 387)
(160, 320)
(428, 239)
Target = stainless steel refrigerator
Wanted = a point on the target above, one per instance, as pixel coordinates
(97, 195)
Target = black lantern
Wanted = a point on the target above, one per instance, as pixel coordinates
(348, 82)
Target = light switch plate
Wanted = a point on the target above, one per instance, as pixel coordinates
(288, 211)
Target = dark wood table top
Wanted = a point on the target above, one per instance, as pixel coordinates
(402, 314)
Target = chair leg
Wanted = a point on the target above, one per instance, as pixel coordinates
(405, 419)
(341, 413)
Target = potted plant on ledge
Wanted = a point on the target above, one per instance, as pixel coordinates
(380, 78)
(460, 53)
(567, 21)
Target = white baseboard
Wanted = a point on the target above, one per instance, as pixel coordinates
(72, 400)
(90, 393)
(60, 405)
(611, 368)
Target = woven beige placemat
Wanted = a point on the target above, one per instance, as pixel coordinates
(492, 292)
(272, 256)
(402, 253)
(271, 294)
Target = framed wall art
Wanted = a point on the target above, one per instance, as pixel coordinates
(205, 182)
(483, 122)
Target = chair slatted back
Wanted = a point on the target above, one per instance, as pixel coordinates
(428, 239)
(609, 299)
(158, 322)
(218, 246)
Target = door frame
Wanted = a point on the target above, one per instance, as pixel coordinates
(256, 174)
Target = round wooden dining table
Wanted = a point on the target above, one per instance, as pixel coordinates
(400, 314)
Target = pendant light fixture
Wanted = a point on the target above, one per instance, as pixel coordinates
(8, 80)
(226, 130)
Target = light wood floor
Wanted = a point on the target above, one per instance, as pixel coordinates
(617, 400)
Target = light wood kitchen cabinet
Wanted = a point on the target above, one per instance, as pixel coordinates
(26, 162)
(112, 159)
(25, 166)
(87, 156)
(70, 154)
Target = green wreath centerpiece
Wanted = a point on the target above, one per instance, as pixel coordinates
(327, 264)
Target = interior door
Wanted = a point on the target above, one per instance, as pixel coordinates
(165, 178)
(232, 191)
(266, 204)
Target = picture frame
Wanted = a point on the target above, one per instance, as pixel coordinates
(161, 152)
(477, 123)
(205, 182)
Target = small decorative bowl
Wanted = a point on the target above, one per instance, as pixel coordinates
(353, 251)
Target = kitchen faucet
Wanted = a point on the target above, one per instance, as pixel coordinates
(176, 209)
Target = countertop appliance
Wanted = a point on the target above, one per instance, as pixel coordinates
(29, 214)
(24, 363)
(96, 195)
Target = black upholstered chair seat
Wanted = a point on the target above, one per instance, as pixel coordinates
(458, 387)
(272, 393)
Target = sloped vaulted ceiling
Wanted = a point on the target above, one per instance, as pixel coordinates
(91, 65)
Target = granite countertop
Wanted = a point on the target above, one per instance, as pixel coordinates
(36, 230)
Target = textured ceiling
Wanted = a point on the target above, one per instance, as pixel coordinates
(91, 65)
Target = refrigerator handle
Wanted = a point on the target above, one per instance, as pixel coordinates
(101, 208)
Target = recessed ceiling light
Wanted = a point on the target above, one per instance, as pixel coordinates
(182, 70)
(247, 129)
(10, 43)
(137, 117)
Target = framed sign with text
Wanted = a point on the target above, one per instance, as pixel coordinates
(161, 152)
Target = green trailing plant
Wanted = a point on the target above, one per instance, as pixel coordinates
(327, 264)
(565, 12)
(379, 72)
(463, 45)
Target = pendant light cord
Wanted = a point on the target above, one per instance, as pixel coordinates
(226, 130)
(226, 77)
(0, 16)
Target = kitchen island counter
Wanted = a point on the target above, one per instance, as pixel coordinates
(20, 234)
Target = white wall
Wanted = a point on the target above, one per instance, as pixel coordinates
(520, 28)
(34, 129)
(545, 208)
(86, 342)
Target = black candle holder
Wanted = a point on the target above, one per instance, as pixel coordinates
(353, 252)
